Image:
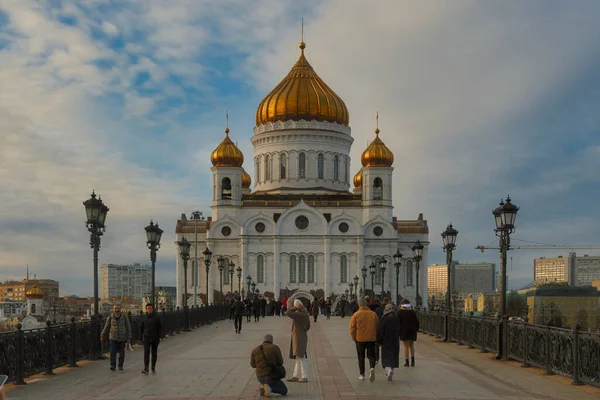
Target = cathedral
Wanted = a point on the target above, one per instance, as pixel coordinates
(301, 228)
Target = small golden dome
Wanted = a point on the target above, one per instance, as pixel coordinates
(246, 179)
(35, 292)
(358, 179)
(302, 95)
(227, 154)
(377, 154)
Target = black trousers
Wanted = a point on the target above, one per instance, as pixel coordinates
(360, 350)
(147, 347)
(238, 322)
(256, 315)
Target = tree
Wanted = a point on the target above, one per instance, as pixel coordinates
(515, 304)
(581, 319)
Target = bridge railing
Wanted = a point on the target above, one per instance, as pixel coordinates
(568, 352)
(27, 352)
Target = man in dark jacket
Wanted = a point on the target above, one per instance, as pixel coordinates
(256, 309)
(262, 358)
(263, 307)
(238, 312)
(151, 332)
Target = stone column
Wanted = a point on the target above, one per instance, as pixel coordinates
(276, 262)
(360, 243)
(327, 265)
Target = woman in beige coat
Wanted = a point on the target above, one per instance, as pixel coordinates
(300, 328)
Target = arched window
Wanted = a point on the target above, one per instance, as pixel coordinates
(311, 269)
(377, 189)
(302, 270)
(377, 272)
(343, 269)
(320, 166)
(336, 171)
(283, 166)
(302, 166)
(292, 269)
(258, 169)
(226, 272)
(409, 273)
(272, 168)
(267, 168)
(226, 189)
(260, 269)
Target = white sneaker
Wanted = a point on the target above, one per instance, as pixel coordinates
(372, 375)
(389, 375)
(361, 377)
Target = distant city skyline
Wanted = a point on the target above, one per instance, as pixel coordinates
(129, 100)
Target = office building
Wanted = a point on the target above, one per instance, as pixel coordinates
(574, 270)
(133, 280)
(17, 290)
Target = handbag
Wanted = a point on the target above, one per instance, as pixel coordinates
(277, 371)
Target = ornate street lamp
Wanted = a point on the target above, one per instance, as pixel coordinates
(96, 211)
(364, 279)
(382, 268)
(231, 269)
(449, 239)
(356, 278)
(346, 291)
(417, 250)
(504, 217)
(184, 253)
(351, 289)
(153, 235)
(239, 276)
(253, 287)
(397, 264)
(249, 280)
(207, 257)
(221, 264)
(372, 272)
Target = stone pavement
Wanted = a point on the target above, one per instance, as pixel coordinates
(213, 362)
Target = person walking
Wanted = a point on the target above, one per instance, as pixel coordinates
(248, 310)
(379, 312)
(343, 305)
(387, 338)
(299, 342)
(267, 361)
(315, 310)
(151, 332)
(409, 326)
(263, 307)
(238, 312)
(328, 309)
(117, 330)
(363, 330)
(256, 308)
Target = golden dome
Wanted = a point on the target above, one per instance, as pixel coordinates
(377, 154)
(302, 95)
(246, 180)
(358, 179)
(227, 154)
(35, 292)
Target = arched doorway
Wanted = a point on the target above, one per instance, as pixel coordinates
(302, 295)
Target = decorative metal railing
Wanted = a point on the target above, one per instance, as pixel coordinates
(28, 352)
(559, 351)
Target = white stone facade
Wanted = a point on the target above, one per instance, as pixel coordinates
(305, 233)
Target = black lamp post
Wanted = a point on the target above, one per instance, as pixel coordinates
(207, 257)
(153, 235)
(96, 211)
(364, 277)
(504, 216)
(382, 268)
(418, 256)
(253, 287)
(397, 264)
(184, 253)
(239, 276)
(351, 289)
(449, 238)
(356, 278)
(231, 269)
(249, 280)
(221, 264)
(372, 272)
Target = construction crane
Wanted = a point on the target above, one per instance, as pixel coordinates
(544, 246)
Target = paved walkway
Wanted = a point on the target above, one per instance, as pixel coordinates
(213, 362)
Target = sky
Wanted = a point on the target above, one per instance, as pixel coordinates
(477, 100)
